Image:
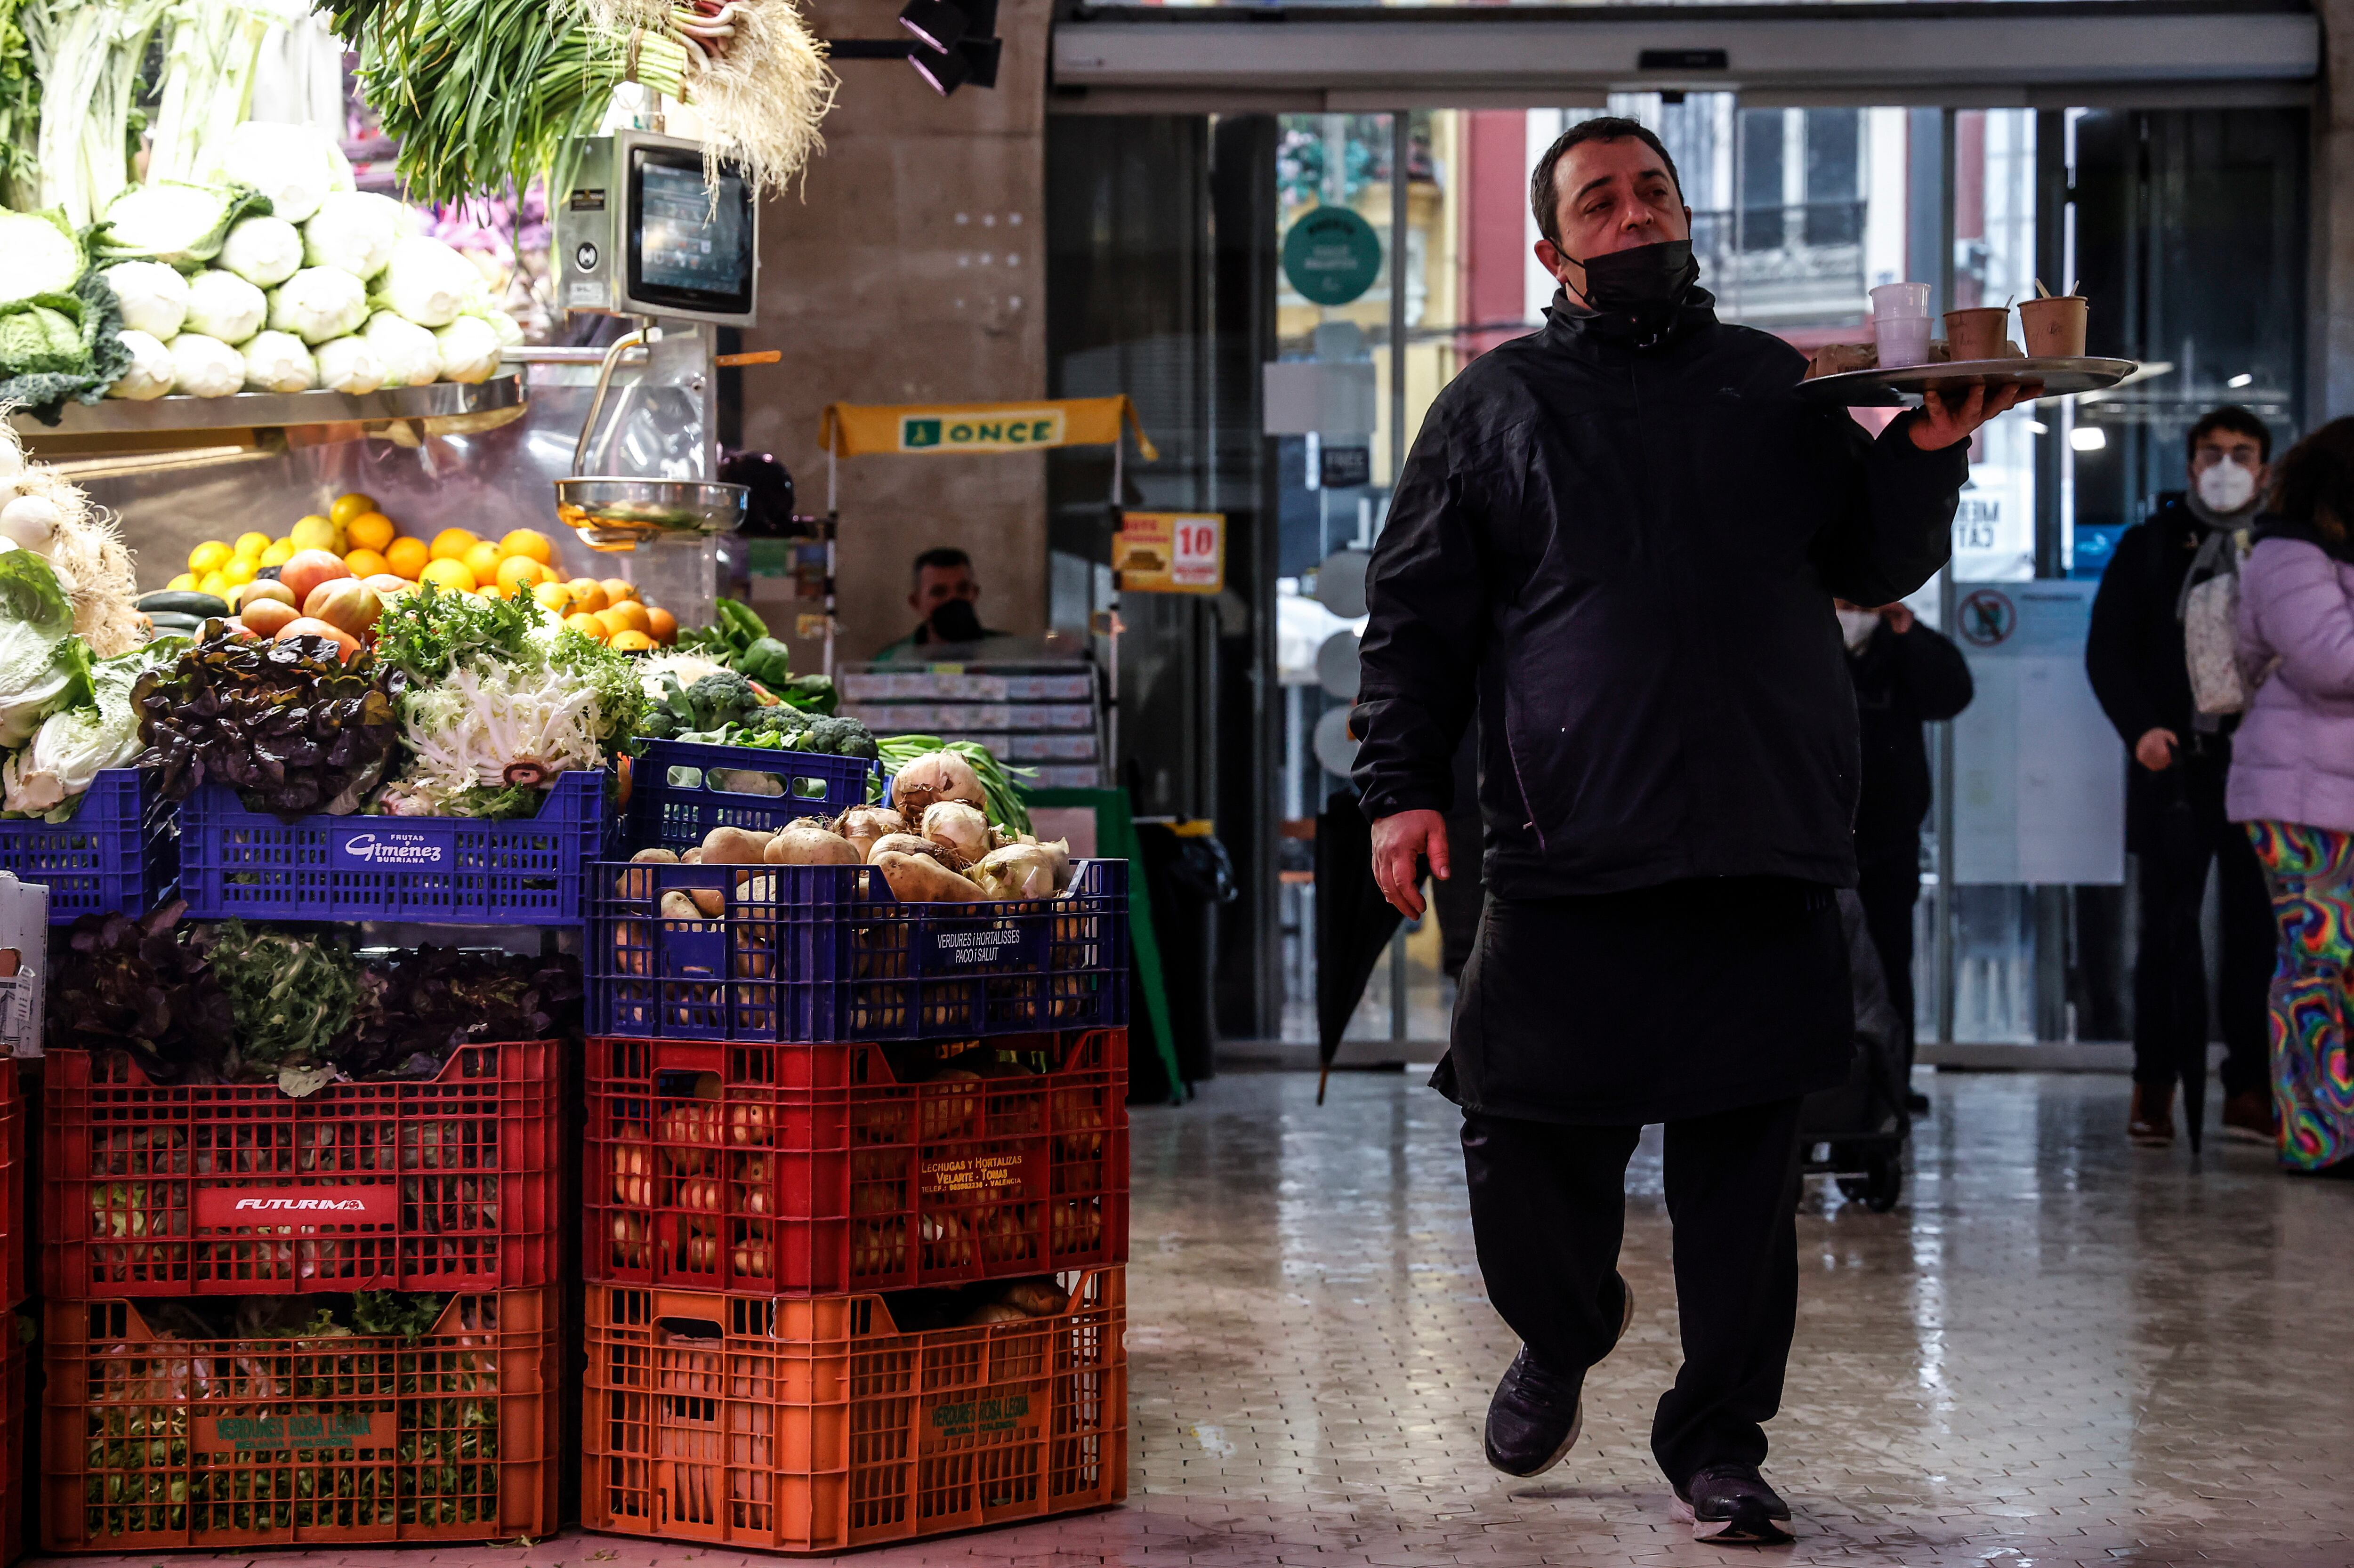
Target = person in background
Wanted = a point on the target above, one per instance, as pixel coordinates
(943, 592)
(2292, 783)
(1906, 675)
(1615, 542)
(2140, 671)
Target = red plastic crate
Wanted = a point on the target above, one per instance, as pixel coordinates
(14, 1216)
(13, 1365)
(154, 1443)
(816, 1425)
(446, 1184)
(811, 1170)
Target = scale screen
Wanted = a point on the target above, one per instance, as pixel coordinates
(687, 252)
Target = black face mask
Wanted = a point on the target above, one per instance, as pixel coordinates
(1645, 282)
(957, 621)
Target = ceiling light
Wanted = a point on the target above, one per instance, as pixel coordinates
(944, 71)
(2039, 426)
(2088, 439)
(2242, 379)
(937, 24)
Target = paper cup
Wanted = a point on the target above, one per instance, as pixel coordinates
(1977, 333)
(1902, 340)
(2053, 328)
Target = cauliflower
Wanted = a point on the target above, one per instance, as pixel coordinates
(318, 304)
(150, 373)
(350, 364)
(411, 357)
(205, 366)
(470, 349)
(155, 297)
(225, 306)
(428, 282)
(264, 251)
(354, 230)
(279, 362)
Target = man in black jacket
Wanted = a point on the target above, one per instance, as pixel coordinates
(1906, 675)
(2177, 761)
(1621, 534)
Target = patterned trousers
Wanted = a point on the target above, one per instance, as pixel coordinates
(2310, 873)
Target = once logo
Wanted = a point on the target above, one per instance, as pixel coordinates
(389, 849)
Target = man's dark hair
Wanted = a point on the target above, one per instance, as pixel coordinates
(2239, 422)
(945, 556)
(2316, 480)
(1545, 200)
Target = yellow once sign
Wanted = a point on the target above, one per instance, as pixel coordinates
(1012, 430)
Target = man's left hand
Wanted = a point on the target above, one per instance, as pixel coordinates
(1943, 422)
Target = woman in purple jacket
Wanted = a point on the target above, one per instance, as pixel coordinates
(2292, 782)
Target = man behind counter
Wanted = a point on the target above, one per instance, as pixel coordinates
(943, 592)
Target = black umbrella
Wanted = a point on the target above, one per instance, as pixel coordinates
(1354, 922)
(2178, 831)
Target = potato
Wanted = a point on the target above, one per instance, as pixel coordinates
(662, 855)
(993, 1312)
(678, 905)
(919, 879)
(811, 842)
(692, 857)
(734, 846)
(710, 900)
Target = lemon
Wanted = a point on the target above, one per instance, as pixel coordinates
(451, 544)
(587, 625)
(552, 595)
(448, 574)
(483, 560)
(279, 553)
(240, 571)
(528, 541)
(213, 584)
(184, 583)
(349, 506)
(251, 546)
(631, 642)
(521, 571)
(210, 557)
(587, 594)
(314, 532)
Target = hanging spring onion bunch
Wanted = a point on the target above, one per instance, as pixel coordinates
(755, 77)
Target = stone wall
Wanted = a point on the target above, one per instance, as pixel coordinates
(910, 269)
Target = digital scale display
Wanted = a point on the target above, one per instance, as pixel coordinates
(687, 249)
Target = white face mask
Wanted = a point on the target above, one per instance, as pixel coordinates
(2227, 487)
(1857, 625)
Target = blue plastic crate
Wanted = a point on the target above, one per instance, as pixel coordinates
(453, 870)
(677, 816)
(824, 953)
(117, 855)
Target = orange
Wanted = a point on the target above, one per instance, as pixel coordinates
(588, 625)
(553, 596)
(451, 544)
(528, 541)
(612, 622)
(521, 571)
(365, 563)
(633, 642)
(663, 626)
(369, 531)
(587, 593)
(448, 574)
(619, 589)
(349, 506)
(628, 616)
(406, 558)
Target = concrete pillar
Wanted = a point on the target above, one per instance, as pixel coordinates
(912, 269)
(2332, 378)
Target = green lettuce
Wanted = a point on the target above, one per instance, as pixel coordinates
(175, 222)
(45, 255)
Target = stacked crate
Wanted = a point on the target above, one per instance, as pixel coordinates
(832, 1142)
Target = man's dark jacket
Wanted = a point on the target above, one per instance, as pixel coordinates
(1902, 681)
(2134, 654)
(1629, 553)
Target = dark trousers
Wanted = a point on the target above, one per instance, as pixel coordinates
(2170, 963)
(1890, 889)
(1548, 1210)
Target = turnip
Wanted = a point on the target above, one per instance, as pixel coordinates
(861, 825)
(919, 879)
(811, 842)
(1017, 871)
(907, 844)
(734, 846)
(959, 827)
(935, 775)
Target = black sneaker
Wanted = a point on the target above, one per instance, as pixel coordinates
(1732, 1505)
(1536, 1415)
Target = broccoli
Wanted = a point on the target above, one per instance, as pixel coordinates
(838, 736)
(720, 698)
(779, 720)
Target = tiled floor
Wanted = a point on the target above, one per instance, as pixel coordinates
(2058, 1351)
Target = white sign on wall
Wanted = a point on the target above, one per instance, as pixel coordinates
(2039, 775)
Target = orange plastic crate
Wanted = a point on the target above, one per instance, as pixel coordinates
(446, 1184)
(151, 1444)
(808, 1169)
(814, 1425)
(13, 1275)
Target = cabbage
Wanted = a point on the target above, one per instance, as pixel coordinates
(411, 357)
(206, 367)
(224, 305)
(318, 304)
(294, 165)
(469, 348)
(170, 220)
(75, 743)
(350, 364)
(264, 251)
(279, 362)
(44, 257)
(155, 297)
(42, 336)
(42, 663)
(354, 230)
(428, 282)
(151, 371)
